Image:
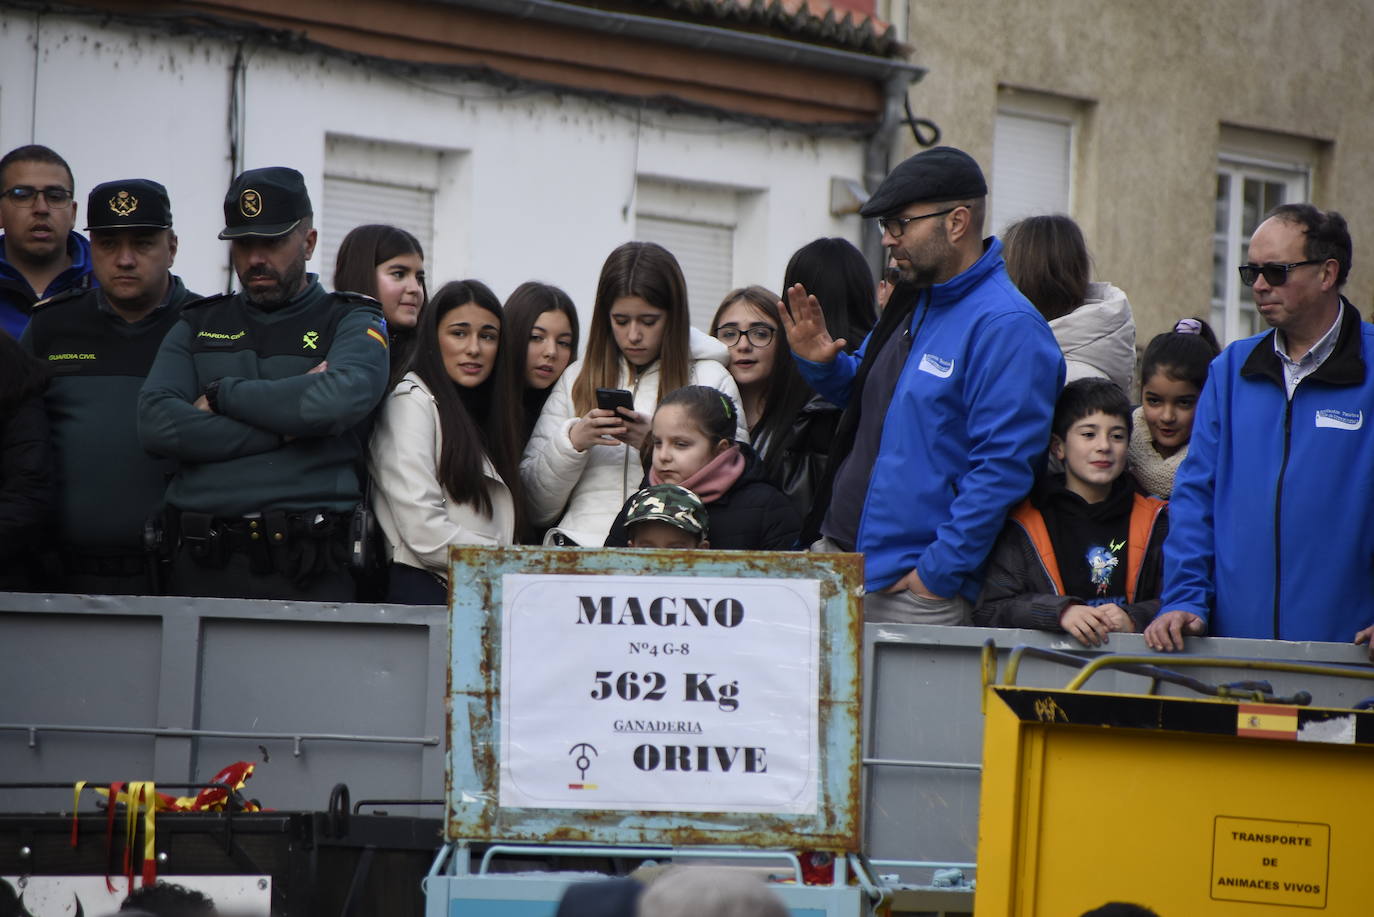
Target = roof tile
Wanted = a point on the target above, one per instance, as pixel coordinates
(848, 24)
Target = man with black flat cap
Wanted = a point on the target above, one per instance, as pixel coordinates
(99, 345)
(260, 396)
(947, 404)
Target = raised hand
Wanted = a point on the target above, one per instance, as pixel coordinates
(804, 323)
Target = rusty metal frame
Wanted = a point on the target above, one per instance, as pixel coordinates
(473, 812)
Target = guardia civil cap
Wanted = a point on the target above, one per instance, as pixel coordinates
(265, 203)
(938, 174)
(670, 503)
(132, 203)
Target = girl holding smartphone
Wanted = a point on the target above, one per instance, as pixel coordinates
(583, 461)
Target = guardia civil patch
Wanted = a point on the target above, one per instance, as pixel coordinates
(377, 336)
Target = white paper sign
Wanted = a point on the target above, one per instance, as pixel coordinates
(660, 693)
(72, 896)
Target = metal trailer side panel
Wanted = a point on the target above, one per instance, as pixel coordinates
(108, 688)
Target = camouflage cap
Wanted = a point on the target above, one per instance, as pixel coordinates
(670, 503)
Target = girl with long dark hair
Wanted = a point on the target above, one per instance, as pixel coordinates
(388, 264)
(444, 458)
(544, 317)
(582, 462)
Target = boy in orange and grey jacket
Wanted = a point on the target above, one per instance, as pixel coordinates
(1084, 552)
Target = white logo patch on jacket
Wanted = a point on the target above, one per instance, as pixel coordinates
(936, 366)
(1334, 419)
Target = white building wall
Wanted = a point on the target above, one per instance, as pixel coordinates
(532, 186)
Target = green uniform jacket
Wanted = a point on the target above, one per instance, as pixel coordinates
(108, 485)
(283, 439)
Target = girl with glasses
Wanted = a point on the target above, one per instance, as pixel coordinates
(388, 264)
(790, 426)
(444, 458)
(582, 462)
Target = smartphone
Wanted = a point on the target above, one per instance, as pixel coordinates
(608, 399)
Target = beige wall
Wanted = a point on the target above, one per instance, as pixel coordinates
(1159, 79)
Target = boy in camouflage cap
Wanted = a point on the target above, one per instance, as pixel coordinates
(666, 516)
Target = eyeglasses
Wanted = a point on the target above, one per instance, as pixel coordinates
(1275, 274)
(25, 195)
(895, 226)
(759, 335)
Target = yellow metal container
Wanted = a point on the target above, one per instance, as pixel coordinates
(1186, 806)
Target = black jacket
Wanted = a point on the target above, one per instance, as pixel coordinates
(798, 463)
(752, 516)
(26, 488)
(98, 362)
(1018, 591)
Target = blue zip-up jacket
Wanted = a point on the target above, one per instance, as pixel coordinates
(1271, 533)
(17, 297)
(965, 433)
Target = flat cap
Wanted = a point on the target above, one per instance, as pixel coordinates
(265, 203)
(940, 173)
(131, 203)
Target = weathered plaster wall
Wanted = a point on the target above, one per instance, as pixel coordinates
(1162, 77)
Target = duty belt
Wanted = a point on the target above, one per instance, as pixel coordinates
(211, 539)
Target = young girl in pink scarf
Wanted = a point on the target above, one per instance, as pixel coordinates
(692, 443)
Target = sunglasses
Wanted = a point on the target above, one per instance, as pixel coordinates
(1275, 273)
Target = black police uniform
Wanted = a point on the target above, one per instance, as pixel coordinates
(269, 478)
(108, 486)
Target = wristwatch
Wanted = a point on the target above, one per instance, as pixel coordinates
(212, 396)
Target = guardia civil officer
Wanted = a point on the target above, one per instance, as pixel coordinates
(259, 395)
(98, 345)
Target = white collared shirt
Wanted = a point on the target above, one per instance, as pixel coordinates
(1294, 371)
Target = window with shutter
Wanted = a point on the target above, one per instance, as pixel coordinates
(1256, 171)
(708, 230)
(706, 253)
(349, 202)
(373, 181)
(1032, 158)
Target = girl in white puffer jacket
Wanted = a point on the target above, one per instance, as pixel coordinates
(583, 462)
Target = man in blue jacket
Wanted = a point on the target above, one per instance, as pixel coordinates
(947, 403)
(40, 253)
(1270, 530)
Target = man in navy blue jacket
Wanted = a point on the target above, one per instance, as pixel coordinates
(41, 255)
(947, 403)
(1270, 530)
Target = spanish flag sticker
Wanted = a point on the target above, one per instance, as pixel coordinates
(1267, 721)
(377, 336)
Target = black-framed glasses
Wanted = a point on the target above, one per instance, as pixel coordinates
(895, 226)
(25, 195)
(759, 335)
(1275, 273)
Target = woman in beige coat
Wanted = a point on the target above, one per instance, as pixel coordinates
(444, 456)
